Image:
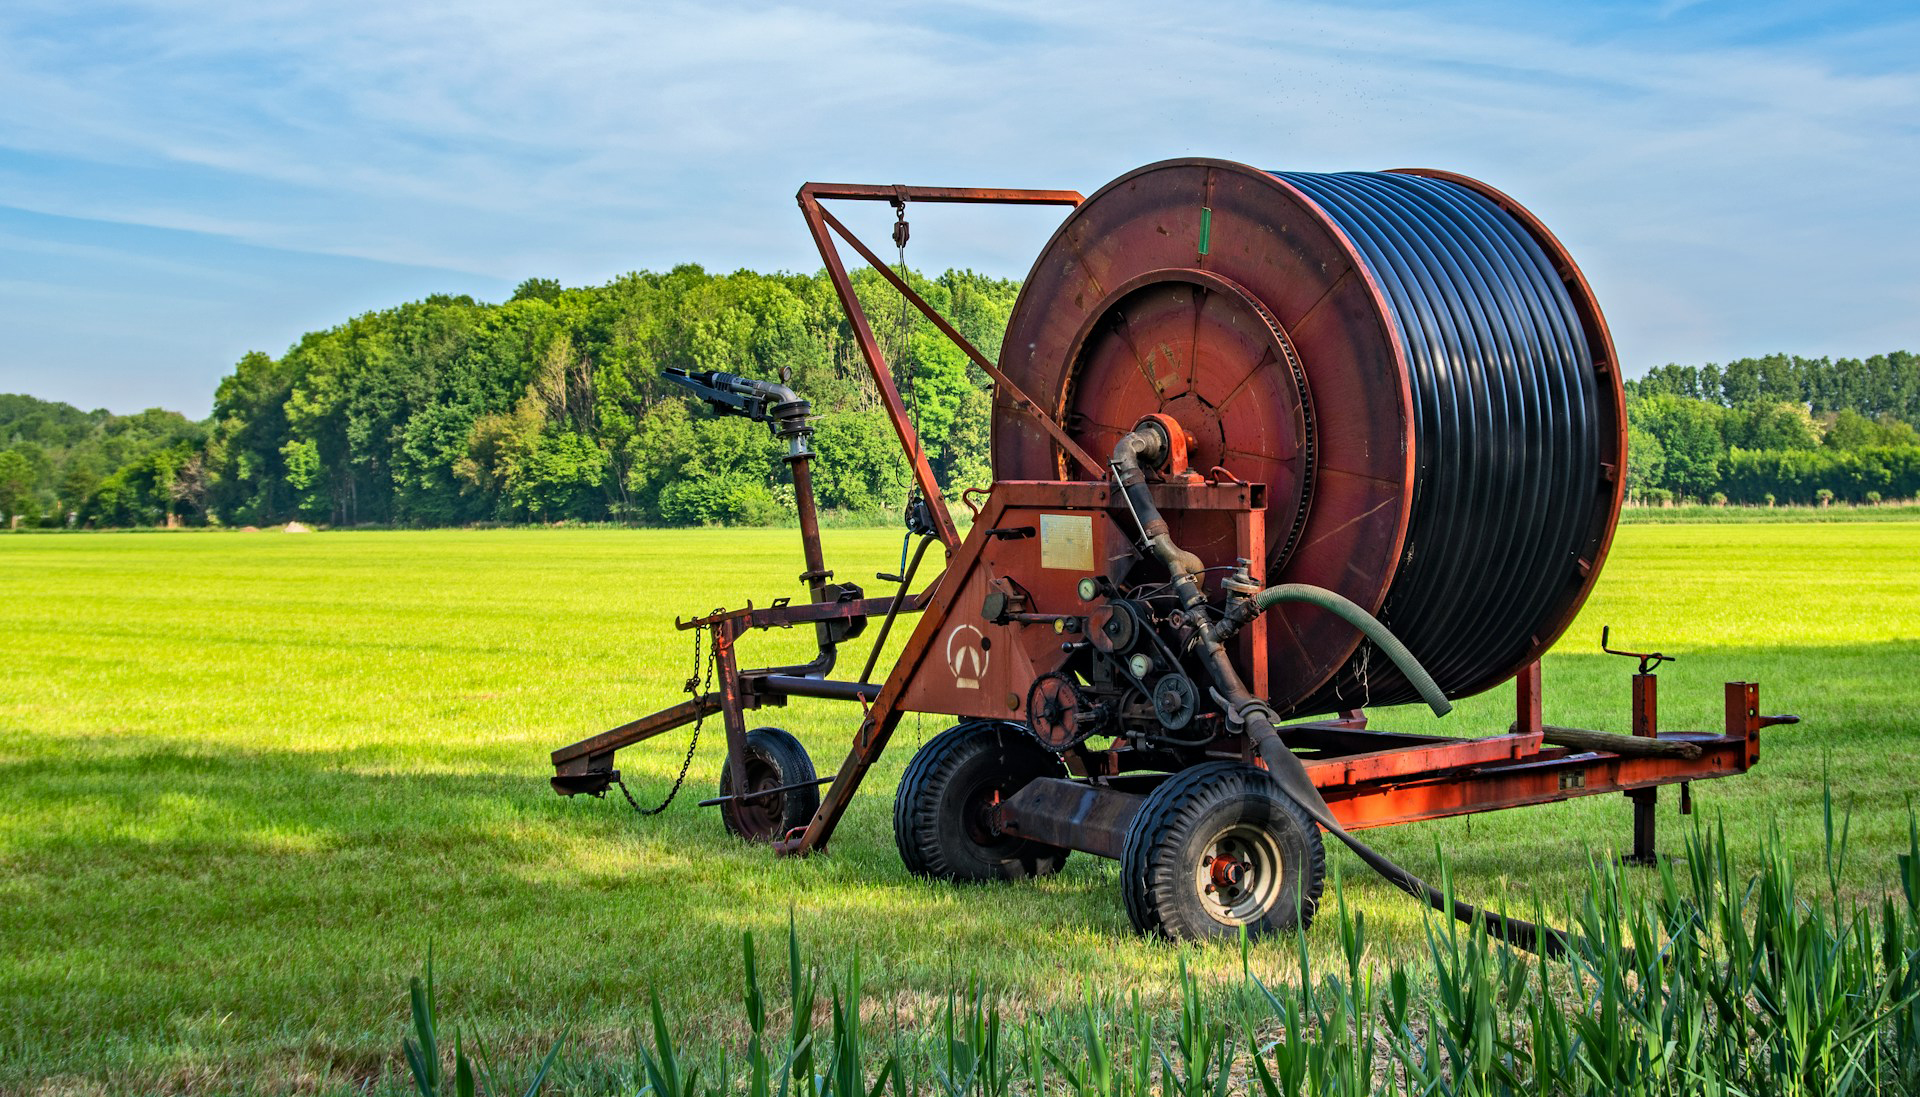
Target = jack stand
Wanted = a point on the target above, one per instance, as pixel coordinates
(1646, 722)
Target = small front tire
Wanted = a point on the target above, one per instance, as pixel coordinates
(774, 759)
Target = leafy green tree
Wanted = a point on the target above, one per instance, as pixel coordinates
(537, 289)
(1690, 441)
(305, 477)
(1646, 462)
(1850, 430)
(248, 480)
(723, 477)
(558, 476)
(17, 495)
(860, 465)
(1776, 425)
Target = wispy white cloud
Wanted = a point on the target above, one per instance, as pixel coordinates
(1730, 188)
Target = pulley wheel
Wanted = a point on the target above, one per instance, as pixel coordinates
(1057, 713)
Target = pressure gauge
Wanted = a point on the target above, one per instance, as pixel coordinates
(1140, 663)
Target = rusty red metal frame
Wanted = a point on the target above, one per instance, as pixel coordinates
(820, 223)
(1368, 778)
(1377, 779)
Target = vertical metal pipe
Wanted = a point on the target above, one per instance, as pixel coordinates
(732, 712)
(816, 574)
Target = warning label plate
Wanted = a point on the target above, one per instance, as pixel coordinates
(1066, 542)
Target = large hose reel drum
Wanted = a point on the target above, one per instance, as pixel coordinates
(1408, 360)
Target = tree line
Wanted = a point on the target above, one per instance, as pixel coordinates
(1776, 429)
(550, 407)
(546, 407)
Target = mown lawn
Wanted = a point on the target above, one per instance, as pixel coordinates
(247, 779)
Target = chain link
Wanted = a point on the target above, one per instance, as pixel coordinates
(696, 690)
(908, 389)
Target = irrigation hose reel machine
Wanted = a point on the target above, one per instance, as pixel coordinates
(1270, 449)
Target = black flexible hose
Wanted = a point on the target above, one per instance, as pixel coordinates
(1507, 426)
(1291, 775)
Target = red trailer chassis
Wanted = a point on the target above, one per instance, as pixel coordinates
(1006, 611)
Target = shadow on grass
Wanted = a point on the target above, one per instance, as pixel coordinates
(168, 906)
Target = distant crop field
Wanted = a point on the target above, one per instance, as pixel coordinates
(247, 779)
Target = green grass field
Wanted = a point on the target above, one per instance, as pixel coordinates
(248, 779)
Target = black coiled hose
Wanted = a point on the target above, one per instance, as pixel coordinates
(1507, 428)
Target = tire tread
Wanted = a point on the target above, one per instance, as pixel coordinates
(1149, 884)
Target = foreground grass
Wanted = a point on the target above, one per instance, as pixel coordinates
(250, 777)
(1710, 987)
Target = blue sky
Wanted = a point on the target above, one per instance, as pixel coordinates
(184, 181)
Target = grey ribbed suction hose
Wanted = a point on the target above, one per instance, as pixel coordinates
(1350, 612)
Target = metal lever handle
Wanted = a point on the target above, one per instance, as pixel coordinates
(1648, 659)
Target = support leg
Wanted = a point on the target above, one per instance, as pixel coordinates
(732, 712)
(1646, 723)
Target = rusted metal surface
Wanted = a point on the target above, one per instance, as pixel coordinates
(1552, 776)
(1646, 725)
(577, 757)
(793, 685)
(992, 196)
(1273, 247)
(1404, 782)
(882, 375)
(1070, 814)
(1527, 713)
(781, 613)
(883, 713)
(732, 703)
(1212, 291)
(959, 663)
(1744, 719)
(1006, 387)
(1227, 306)
(1395, 760)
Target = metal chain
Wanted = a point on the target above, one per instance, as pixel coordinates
(906, 318)
(693, 684)
(909, 390)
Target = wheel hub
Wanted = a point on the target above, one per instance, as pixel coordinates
(1228, 873)
(1239, 876)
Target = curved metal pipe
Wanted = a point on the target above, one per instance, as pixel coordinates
(1349, 611)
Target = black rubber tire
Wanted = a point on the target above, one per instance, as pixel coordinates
(938, 814)
(774, 758)
(1205, 810)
